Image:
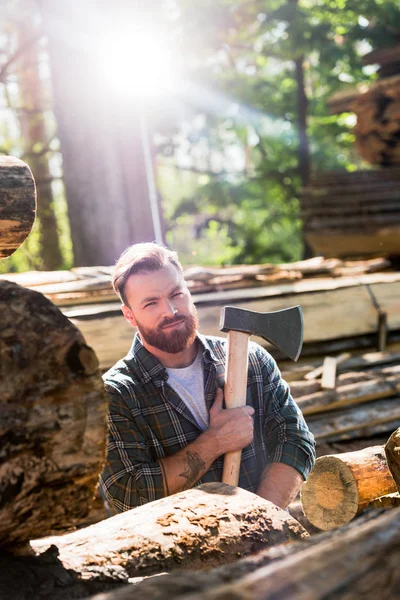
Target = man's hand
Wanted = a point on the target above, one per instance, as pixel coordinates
(231, 429)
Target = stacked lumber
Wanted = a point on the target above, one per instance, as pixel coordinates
(353, 213)
(364, 402)
(388, 59)
(342, 302)
(378, 122)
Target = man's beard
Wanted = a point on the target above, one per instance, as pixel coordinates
(174, 341)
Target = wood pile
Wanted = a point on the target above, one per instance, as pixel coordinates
(378, 122)
(353, 213)
(347, 305)
(364, 404)
(52, 427)
(350, 214)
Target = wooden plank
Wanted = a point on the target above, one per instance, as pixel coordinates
(384, 242)
(367, 420)
(350, 394)
(328, 379)
(317, 372)
(341, 313)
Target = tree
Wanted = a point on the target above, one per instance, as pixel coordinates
(279, 60)
(27, 103)
(103, 156)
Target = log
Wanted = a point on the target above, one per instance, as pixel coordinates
(52, 418)
(392, 452)
(197, 529)
(350, 394)
(360, 421)
(17, 204)
(340, 486)
(359, 560)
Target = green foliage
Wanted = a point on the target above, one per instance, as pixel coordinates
(248, 53)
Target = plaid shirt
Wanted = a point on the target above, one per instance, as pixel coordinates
(148, 421)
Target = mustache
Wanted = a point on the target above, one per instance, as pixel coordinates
(175, 319)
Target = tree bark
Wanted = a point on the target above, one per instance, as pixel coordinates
(392, 452)
(52, 418)
(302, 110)
(341, 485)
(17, 204)
(104, 164)
(359, 560)
(198, 529)
(36, 140)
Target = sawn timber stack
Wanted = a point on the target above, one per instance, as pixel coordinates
(341, 302)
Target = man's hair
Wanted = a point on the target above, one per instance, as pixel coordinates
(138, 258)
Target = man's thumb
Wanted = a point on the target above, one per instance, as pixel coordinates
(218, 400)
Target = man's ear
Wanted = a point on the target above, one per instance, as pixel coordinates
(128, 314)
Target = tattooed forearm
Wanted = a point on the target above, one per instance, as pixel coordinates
(194, 466)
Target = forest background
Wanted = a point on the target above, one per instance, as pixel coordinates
(192, 123)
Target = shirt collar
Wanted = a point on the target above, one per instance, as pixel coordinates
(148, 368)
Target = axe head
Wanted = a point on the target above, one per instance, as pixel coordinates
(282, 328)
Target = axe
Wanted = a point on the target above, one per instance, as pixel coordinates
(282, 328)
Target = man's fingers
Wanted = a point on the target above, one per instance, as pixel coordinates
(218, 400)
(250, 410)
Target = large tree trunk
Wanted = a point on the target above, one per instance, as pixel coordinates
(52, 418)
(17, 204)
(36, 141)
(341, 485)
(198, 529)
(100, 132)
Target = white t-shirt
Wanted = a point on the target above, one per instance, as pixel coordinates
(188, 383)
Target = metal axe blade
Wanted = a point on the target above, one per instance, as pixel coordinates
(282, 328)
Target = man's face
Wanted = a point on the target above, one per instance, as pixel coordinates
(161, 307)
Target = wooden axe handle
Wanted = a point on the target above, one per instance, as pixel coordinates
(237, 358)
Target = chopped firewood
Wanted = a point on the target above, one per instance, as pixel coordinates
(17, 204)
(341, 485)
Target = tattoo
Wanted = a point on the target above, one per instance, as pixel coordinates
(194, 465)
(166, 488)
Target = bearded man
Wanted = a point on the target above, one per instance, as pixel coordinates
(168, 429)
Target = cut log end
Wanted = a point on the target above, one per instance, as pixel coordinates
(330, 495)
(17, 204)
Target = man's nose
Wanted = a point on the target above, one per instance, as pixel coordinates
(169, 308)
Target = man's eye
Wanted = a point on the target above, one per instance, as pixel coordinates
(177, 294)
(149, 304)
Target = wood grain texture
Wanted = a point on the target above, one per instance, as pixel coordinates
(359, 560)
(340, 486)
(17, 204)
(237, 360)
(52, 418)
(199, 529)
